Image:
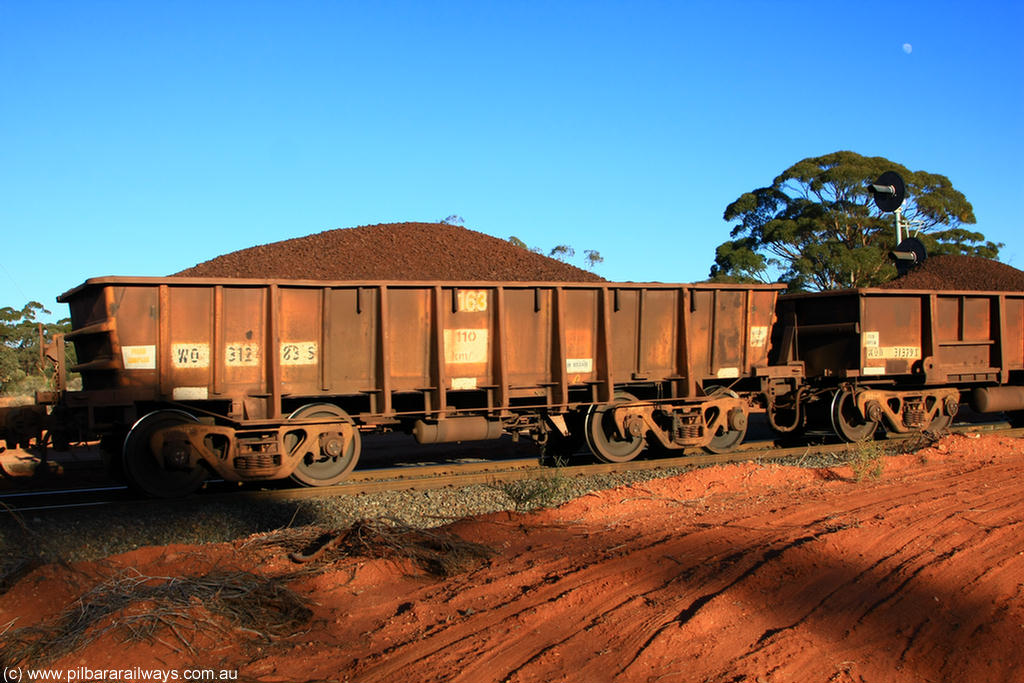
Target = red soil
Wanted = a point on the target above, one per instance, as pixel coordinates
(392, 251)
(738, 573)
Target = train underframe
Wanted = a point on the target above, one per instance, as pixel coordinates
(170, 449)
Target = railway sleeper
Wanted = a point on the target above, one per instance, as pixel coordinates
(909, 411)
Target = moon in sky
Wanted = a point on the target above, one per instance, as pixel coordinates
(908, 48)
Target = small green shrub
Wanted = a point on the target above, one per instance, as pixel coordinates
(530, 494)
(866, 461)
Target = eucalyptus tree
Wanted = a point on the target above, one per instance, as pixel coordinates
(815, 227)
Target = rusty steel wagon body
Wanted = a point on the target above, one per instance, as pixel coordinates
(902, 358)
(257, 379)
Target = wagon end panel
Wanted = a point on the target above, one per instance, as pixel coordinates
(824, 331)
(115, 333)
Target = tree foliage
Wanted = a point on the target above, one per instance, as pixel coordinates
(815, 227)
(562, 252)
(20, 368)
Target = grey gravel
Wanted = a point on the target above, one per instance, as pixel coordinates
(96, 532)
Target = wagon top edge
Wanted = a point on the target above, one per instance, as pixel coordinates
(879, 291)
(398, 284)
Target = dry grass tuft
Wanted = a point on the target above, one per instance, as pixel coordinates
(137, 608)
(23, 551)
(435, 551)
(533, 493)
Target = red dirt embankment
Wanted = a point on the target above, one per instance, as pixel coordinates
(738, 573)
(392, 251)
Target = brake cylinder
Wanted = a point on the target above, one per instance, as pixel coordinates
(997, 399)
(456, 429)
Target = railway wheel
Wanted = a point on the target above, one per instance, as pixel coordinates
(940, 422)
(944, 417)
(847, 421)
(325, 461)
(602, 436)
(732, 434)
(142, 469)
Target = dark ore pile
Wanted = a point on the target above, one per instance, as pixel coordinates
(391, 251)
(961, 272)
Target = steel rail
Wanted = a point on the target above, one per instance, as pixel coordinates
(426, 477)
(750, 452)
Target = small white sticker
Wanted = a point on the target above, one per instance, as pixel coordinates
(579, 365)
(190, 355)
(139, 357)
(758, 336)
(190, 393)
(241, 354)
(874, 370)
(465, 345)
(298, 353)
(726, 373)
(463, 383)
(871, 340)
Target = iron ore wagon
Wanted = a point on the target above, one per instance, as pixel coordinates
(901, 358)
(259, 379)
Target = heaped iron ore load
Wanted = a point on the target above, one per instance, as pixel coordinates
(959, 272)
(258, 379)
(393, 251)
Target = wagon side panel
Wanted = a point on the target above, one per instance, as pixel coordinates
(891, 333)
(242, 342)
(186, 351)
(351, 353)
(467, 341)
(658, 339)
(528, 328)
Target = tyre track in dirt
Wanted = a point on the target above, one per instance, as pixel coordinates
(908, 571)
(868, 582)
(558, 584)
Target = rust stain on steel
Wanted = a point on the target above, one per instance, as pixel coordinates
(946, 337)
(257, 342)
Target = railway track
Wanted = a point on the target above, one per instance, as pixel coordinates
(449, 475)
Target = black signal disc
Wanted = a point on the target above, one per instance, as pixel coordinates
(890, 202)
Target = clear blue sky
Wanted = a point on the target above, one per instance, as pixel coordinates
(140, 138)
